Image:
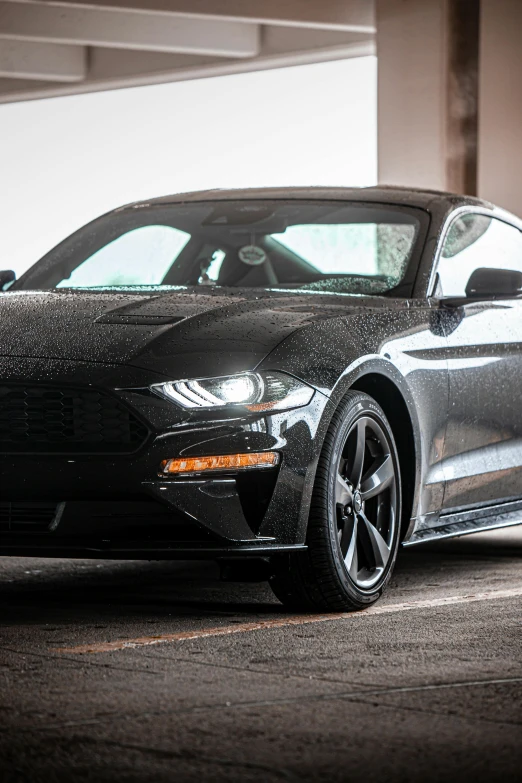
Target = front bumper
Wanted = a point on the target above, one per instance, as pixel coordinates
(120, 505)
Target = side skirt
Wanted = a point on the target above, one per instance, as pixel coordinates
(474, 521)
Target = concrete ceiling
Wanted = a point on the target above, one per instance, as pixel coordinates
(63, 47)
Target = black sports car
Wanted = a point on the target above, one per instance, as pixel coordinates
(290, 381)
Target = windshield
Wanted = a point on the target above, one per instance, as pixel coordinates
(335, 247)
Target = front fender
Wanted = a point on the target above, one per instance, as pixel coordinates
(400, 345)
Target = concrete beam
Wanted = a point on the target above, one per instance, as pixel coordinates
(54, 23)
(42, 61)
(108, 74)
(500, 101)
(428, 93)
(347, 15)
(281, 46)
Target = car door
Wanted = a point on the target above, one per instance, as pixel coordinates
(482, 459)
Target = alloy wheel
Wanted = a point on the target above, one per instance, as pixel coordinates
(366, 502)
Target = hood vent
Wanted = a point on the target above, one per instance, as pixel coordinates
(139, 320)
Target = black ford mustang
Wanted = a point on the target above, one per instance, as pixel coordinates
(292, 382)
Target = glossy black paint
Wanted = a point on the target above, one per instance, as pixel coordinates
(447, 377)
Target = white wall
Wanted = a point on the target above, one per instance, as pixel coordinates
(65, 160)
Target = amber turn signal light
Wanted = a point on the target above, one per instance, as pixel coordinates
(265, 459)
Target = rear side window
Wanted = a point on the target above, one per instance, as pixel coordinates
(475, 242)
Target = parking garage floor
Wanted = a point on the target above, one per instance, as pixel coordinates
(136, 671)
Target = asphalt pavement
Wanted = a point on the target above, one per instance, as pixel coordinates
(137, 671)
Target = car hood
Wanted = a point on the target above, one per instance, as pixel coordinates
(175, 334)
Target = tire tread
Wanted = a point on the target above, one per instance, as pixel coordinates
(309, 581)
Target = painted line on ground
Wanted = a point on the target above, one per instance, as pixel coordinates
(305, 619)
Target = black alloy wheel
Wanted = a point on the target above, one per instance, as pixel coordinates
(355, 515)
(366, 502)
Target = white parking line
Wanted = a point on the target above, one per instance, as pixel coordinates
(261, 625)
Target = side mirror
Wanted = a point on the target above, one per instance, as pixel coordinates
(487, 283)
(6, 276)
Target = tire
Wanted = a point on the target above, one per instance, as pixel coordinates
(355, 514)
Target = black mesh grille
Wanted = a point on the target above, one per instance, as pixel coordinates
(26, 516)
(41, 419)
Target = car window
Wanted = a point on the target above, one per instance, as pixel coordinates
(474, 242)
(378, 249)
(141, 256)
(332, 247)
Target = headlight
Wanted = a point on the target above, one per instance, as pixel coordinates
(256, 391)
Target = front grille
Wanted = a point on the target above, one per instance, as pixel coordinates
(43, 419)
(26, 516)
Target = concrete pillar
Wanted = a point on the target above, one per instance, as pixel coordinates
(428, 93)
(500, 121)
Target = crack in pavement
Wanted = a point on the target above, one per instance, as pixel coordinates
(350, 696)
(78, 663)
(247, 669)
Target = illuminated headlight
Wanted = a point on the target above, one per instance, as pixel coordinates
(263, 391)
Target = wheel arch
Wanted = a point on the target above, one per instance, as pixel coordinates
(385, 392)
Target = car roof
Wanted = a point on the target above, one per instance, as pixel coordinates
(437, 202)
(423, 198)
